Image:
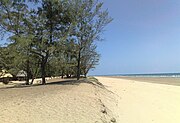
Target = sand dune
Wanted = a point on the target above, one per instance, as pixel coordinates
(141, 102)
(59, 101)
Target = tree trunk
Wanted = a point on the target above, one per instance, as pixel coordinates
(85, 75)
(62, 74)
(43, 68)
(28, 73)
(78, 66)
(86, 72)
(32, 80)
(67, 75)
(43, 73)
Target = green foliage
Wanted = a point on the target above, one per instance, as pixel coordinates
(56, 38)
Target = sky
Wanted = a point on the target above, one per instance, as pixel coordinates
(144, 37)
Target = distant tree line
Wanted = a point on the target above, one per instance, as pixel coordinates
(51, 37)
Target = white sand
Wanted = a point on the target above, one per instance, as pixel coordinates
(141, 102)
(56, 103)
(123, 101)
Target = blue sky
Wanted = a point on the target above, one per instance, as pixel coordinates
(144, 37)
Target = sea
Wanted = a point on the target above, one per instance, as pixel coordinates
(175, 75)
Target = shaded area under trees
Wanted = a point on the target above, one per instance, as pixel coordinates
(52, 38)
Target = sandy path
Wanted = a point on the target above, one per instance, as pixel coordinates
(141, 102)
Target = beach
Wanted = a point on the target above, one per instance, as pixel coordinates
(160, 80)
(145, 100)
(59, 101)
(108, 100)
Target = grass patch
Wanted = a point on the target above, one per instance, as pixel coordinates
(95, 81)
(91, 78)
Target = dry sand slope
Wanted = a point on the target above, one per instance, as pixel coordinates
(141, 102)
(57, 102)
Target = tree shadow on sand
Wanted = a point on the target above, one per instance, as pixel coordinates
(58, 82)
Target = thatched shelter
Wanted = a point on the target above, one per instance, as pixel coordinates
(21, 75)
(5, 76)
